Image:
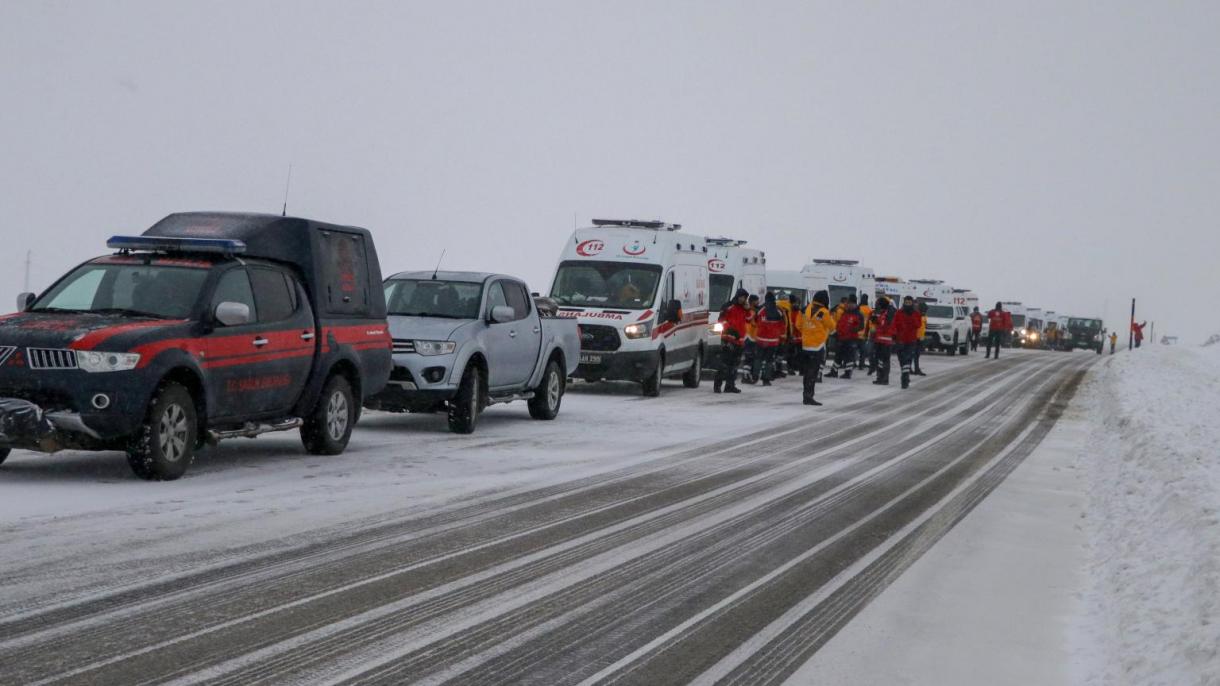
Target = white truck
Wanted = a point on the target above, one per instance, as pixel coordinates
(1030, 335)
(948, 319)
(640, 292)
(730, 266)
(1018, 312)
(843, 278)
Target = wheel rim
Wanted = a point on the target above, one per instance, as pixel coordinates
(474, 399)
(552, 391)
(336, 416)
(698, 367)
(172, 433)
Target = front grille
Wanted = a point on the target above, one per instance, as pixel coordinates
(404, 345)
(50, 358)
(401, 374)
(598, 337)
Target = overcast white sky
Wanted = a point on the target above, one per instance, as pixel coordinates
(1066, 154)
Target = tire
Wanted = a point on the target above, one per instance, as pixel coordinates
(329, 427)
(964, 350)
(164, 447)
(694, 376)
(952, 349)
(549, 394)
(652, 385)
(4, 452)
(465, 407)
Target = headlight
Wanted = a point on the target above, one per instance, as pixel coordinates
(637, 330)
(435, 347)
(1033, 336)
(717, 328)
(92, 361)
(1021, 331)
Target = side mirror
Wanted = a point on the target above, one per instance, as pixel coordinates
(232, 314)
(24, 301)
(673, 312)
(502, 313)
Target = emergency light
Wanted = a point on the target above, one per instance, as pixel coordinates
(843, 263)
(219, 246)
(636, 223)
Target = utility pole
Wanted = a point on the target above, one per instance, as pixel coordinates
(1131, 328)
(1153, 339)
(28, 255)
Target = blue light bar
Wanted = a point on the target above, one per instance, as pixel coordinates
(221, 246)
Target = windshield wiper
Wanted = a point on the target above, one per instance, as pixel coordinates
(55, 309)
(428, 314)
(127, 311)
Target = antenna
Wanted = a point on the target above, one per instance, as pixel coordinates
(28, 254)
(438, 265)
(287, 185)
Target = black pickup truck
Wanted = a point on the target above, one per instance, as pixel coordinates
(208, 326)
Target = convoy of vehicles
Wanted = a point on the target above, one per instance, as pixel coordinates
(466, 340)
(1017, 310)
(208, 326)
(639, 290)
(217, 325)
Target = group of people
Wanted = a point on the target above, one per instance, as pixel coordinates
(782, 335)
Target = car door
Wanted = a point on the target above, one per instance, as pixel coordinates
(287, 325)
(507, 342)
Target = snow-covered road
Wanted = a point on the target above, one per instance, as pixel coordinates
(695, 538)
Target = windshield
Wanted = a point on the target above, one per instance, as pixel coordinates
(606, 284)
(722, 289)
(429, 298)
(839, 292)
(134, 289)
(1018, 320)
(1084, 323)
(940, 312)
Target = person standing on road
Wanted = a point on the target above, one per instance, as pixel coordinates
(906, 335)
(749, 360)
(783, 356)
(976, 328)
(770, 324)
(1113, 341)
(735, 318)
(848, 329)
(999, 322)
(883, 340)
(866, 313)
(923, 330)
(815, 327)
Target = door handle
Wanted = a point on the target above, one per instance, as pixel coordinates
(512, 334)
(537, 329)
(307, 336)
(260, 342)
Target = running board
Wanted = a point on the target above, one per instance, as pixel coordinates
(501, 399)
(252, 429)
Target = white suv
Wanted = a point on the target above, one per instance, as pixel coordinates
(948, 329)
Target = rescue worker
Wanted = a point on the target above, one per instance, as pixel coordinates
(866, 313)
(848, 328)
(906, 336)
(923, 330)
(999, 323)
(1113, 341)
(770, 324)
(736, 318)
(1138, 330)
(883, 340)
(976, 328)
(782, 355)
(816, 324)
(750, 351)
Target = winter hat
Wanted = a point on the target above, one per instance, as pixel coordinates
(770, 297)
(851, 298)
(864, 298)
(822, 298)
(883, 303)
(741, 293)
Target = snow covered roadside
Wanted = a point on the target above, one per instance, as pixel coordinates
(1153, 472)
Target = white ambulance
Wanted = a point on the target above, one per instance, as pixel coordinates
(948, 319)
(639, 290)
(894, 288)
(730, 266)
(796, 285)
(1017, 310)
(843, 278)
(1030, 336)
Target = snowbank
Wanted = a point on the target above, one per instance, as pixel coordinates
(1152, 468)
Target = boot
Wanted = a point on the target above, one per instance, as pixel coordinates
(906, 380)
(833, 373)
(732, 389)
(847, 373)
(716, 386)
(881, 381)
(919, 372)
(766, 382)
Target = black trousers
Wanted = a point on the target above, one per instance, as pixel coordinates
(811, 364)
(918, 352)
(881, 358)
(994, 338)
(730, 359)
(974, 340)
(906, 356)
(764, 361)
(846, 353)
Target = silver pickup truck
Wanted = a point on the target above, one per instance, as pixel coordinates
(466, 340)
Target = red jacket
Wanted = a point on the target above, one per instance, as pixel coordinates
(770, 329)
(883, 326)
(976, 322)
(851, 323)
(735, 319)
(999, 320)
(906, 326)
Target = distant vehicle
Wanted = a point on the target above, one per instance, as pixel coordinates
(1083, 333)
(793, 284)
(467, 340)
(893, 288)
(1017, 310)
(948, 319)
(843, 278)
(209, 326)
(730, 266)
(639, 290)
(1030, 336)
(967, 298)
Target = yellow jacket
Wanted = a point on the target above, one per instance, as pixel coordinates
(835, 314)
(751, 326)
(786, 308)
(816, 325)
(866, 312)
(923, 325)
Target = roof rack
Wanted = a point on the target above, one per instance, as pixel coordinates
(845, 263)
(656, 225)
(219, 246)
(725, 242)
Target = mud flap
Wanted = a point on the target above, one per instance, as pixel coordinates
(23, 423)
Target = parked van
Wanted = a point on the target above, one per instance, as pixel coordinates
(843, 278)
(730, 266)
(640, 292)
(794, 284)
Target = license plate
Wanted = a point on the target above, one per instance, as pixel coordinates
(587, 358)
